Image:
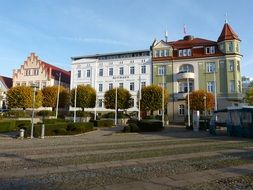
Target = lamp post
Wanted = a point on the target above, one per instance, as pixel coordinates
(116, 105)
(139, 100)
(188, 99)
(163, 100)
(205, 107)
(33, 105)
(95, 83)
(58, 94)
(75, 105)
(215, 91)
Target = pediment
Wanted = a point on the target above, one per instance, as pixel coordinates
(161, 45)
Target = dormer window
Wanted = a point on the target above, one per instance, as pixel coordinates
(184, 52)
(162, 53)
(210, 50)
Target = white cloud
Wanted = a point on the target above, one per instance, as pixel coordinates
(96, 40)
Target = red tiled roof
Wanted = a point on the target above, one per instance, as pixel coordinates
(227, 33)
(7, 81)
(65, 75)
(184, 43)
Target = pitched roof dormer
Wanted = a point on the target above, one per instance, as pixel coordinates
(227, 33)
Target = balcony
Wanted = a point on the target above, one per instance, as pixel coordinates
(185, 75)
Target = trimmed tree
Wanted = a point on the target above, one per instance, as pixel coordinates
(22, 97)
(151, 98)
(50, 97)
(123, 98)
(249, 96)
(85, 97)
(197, 100)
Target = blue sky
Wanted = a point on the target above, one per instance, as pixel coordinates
(59, 29)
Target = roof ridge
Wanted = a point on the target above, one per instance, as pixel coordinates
(227, 33)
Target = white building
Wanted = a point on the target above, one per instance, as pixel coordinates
(5, 85)
(246, 81)
(129, 70)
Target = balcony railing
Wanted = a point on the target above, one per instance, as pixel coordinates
(185, 75)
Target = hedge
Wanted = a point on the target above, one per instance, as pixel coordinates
(16, 114)
(103, 123)
(54, 121)
(60, 129)
(46, 113)
(132, 127)
(13, 125)
(150, 125)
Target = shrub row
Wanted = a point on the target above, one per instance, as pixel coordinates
(144, 126)
(13, 125)
(103, 123)
(60, 129)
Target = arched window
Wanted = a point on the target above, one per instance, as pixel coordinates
(186, 68)
(181, 109)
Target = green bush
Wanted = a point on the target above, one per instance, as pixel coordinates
(150, 117)
(60, 131)
(80, 127)
(150, 125)
(54, 121)
(103, 123)
(13, 125)
(46, 113)
(132, 127)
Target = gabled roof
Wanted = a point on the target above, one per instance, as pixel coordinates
(188, 43)
(227, 33)
(65, 75)
(6, 81)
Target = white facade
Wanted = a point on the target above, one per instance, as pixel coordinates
(129, 70)
(246, 81)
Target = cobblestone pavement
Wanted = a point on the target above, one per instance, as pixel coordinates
(107, 159)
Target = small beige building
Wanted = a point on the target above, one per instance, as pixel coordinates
(36, 71)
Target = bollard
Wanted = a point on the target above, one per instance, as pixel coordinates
(42, 131)
(21, 133)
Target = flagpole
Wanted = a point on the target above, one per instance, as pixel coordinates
(75, 104)
(95, 109)
(163, 100)
(116, 105)
(58, 95)
(215, 92)
(139, 100)
(188, 98)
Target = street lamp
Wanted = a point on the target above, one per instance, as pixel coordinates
(205, 107)
(33, 105)
(215, 90)
(139, 100)
(75, 105)
(116, 105)
(163, 100)
(58, 94)
(188, 107)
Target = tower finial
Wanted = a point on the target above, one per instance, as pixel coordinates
(226, 18)
(185, 29)
(166, 35)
